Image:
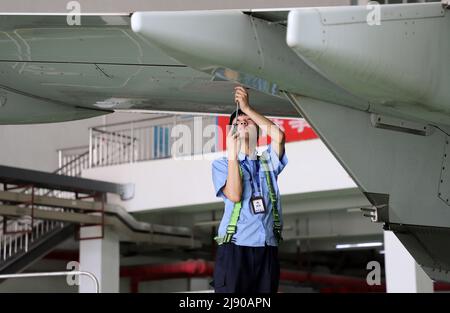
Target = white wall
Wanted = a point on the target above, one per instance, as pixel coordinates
(403, 274)
(170, 183)
(34, 146)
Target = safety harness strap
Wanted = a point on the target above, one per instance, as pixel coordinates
(273, 198)
(232, 225)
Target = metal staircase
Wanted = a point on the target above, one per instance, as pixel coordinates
(19, 250)
(39, 210)
(24, 240)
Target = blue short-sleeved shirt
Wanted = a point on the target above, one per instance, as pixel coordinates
(254, 230)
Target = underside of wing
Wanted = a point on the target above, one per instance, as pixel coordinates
(51, 71)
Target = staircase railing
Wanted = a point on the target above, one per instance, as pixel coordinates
(21, 238)
(146, 139)
(18, 235)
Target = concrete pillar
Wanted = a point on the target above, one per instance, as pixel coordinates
(101, 257)
(403, 274)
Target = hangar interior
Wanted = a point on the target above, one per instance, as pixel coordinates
(108, 192)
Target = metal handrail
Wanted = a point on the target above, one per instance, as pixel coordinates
(136, 141)
(74, 148)
(47, 274)
(72, 161)
(111, 132)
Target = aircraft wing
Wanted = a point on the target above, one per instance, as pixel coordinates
(373, 83)
(51, 72)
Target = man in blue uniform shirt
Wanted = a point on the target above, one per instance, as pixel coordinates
(250, 230)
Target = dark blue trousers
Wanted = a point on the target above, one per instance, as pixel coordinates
(241, 269)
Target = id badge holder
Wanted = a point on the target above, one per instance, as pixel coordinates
(258, 205)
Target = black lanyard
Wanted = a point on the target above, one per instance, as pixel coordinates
(258, 183)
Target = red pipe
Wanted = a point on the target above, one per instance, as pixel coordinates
(438, 286)
(63, 255)
(200, 268)
(192, 268)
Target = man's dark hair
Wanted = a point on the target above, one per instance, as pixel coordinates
(239, 113)
(235, 114)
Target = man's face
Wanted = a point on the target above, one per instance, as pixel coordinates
(246, 126)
